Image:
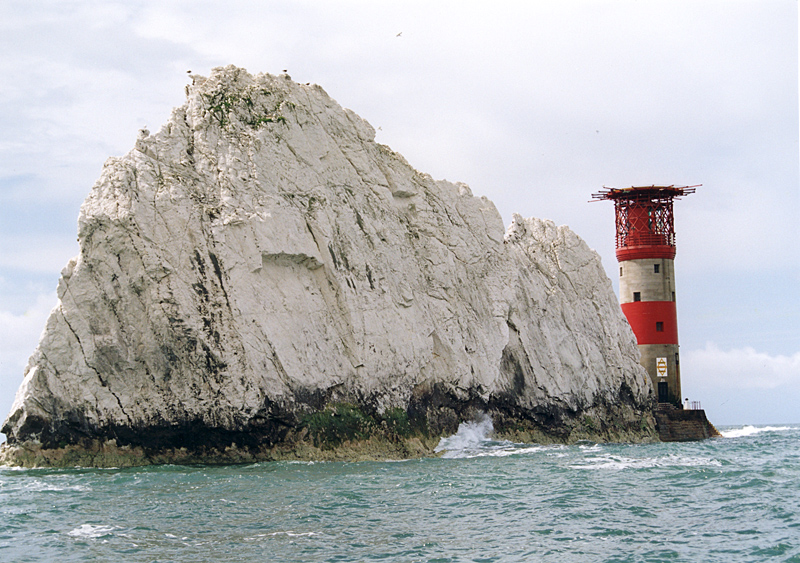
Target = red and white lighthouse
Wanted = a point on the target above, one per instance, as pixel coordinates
(646, 252)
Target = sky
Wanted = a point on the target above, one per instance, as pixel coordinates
(534, 104)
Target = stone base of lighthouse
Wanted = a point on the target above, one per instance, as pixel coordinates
(682, 425)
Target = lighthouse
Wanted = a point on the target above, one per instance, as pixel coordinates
(645, 243)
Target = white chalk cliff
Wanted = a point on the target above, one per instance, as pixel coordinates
(262, 257)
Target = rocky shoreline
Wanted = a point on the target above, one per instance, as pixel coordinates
(340, 432)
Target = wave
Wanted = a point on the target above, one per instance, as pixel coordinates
(609, 461)
(470, 435)
(92, 531)
(749, 430)
(41, 486)
(474, 439)
(287, 533)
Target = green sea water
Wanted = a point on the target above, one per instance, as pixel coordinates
(729, 499)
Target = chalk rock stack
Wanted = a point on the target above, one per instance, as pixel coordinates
(262, 260)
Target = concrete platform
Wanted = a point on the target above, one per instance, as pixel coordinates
(679, 425)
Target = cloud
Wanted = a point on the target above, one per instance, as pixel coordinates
(78, 84)
(742, 368)
(19, 335)
(40, 253)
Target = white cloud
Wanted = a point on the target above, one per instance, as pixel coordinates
(36, 253)
(741, 368)
(19, 335)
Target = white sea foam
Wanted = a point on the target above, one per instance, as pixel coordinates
(750, 430)
(91, 531)
(287, 533)
(42, 486)
(614, 462)
(469, 438)
(14, 468)
(505, 449)
(474, 439)
(469, 435)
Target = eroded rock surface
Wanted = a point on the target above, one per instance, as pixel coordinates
(262, 259)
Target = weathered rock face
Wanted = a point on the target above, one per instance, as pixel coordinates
(261, 258)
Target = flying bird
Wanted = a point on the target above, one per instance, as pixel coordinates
(399, 34)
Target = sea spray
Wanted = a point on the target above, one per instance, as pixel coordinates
(474, 439)
(469, 437)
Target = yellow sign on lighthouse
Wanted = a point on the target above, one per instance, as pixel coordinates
(661, 367)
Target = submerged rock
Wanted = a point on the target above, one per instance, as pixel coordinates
(262, 278)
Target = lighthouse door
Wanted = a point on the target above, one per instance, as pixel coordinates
(663, 392)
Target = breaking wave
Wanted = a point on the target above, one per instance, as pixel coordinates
(617, 462)
(42, 486)
(751, 430)
(474, 439)
(92, 531)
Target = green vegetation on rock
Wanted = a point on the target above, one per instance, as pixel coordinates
(248, 106)
(345, 422)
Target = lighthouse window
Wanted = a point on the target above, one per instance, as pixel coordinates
(620, 271)
(637, 296)
(659, 326)
(656, 268)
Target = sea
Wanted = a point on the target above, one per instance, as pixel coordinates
(729, 499)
